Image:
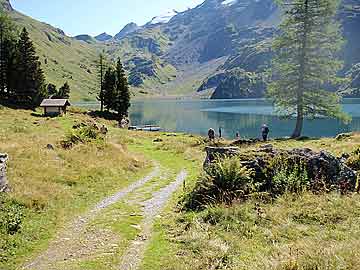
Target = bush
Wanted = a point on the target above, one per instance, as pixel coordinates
(287, 176)
(354, 160)
(82, 134)
(224, 181)
(11, 216)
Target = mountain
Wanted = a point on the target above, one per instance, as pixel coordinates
(85, 38)
(103, 37)
(174, 53)
(62, 58)
(164, 18)
(218, 49)
(128, 29)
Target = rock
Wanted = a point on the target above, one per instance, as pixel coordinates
(245, 142)
(213, 152)
(4, 187)
(158, 140)
(343, 136)
(103, 130)
(320, 166)
(50, 147)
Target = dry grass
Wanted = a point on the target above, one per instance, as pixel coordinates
(294, 232)
(54, 185)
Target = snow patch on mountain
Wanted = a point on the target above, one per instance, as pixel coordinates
(164, 18)
(229, 2)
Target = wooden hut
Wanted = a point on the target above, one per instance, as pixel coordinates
(55, 107)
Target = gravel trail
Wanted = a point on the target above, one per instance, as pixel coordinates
(75, 239)
(151, 209)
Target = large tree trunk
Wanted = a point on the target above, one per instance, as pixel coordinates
(299, 123)
(301, 82)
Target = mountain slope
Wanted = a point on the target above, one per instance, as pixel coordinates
(128, 29)
(173, 54)
(214, 47)
(62, 58)
(218, 49)
(103, 37)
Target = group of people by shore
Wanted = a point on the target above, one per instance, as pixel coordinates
(265, 130)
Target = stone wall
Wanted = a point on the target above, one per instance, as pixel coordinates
(3, 180)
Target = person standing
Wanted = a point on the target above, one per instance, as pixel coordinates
(211, 134)
(220, 132)
(265, 132)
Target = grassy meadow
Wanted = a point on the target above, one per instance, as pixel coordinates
(49, 188)
(304, 231)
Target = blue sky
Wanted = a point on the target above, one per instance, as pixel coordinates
(96, 16)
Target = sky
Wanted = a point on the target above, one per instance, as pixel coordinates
(97, 16)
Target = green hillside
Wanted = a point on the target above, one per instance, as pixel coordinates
(63, 58)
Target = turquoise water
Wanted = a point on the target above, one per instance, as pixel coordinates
(243, 116)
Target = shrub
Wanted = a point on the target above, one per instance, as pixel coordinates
(287, 176)
(82, 134)
(224, 181)
(354, 160)
(11, 216)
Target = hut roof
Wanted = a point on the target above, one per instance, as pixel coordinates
(55, 103)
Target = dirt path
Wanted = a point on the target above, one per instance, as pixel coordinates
(151, 209)
(76, 240)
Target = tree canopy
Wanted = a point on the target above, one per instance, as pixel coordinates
(305, 66)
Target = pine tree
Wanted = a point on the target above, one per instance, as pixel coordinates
(52, 90)
(305, 61)
(101, 75)
(7, 54)
(30, 86)
(64, 91)
(122, 92)
(109, 88)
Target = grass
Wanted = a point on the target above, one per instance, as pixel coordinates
(123, 219)
(53, 186)
(63, 58)
(303, 231)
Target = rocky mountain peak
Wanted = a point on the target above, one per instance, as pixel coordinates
(6, 5)
(128, 29)
(103, 37)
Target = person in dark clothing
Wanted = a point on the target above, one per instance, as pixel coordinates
(220, 132)
(211, 134)
(265, 132)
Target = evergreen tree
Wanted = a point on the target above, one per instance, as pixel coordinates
(51, 90)
(64, 91)
(305, 61)
(7, 55)
(30, 85)
(109, 85)
(123, 92)
(101, 75)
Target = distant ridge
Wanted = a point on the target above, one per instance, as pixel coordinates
(128, 29)
(86, 38)
(103, 37)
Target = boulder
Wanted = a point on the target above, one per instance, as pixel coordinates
(343, 136)
(320, 166)
(214, 152)
(241, 142)
(4, 187)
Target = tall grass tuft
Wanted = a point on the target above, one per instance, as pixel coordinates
(223, 182)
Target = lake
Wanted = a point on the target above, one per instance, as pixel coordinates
(243, 116)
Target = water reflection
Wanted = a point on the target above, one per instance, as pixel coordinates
(243, 116)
